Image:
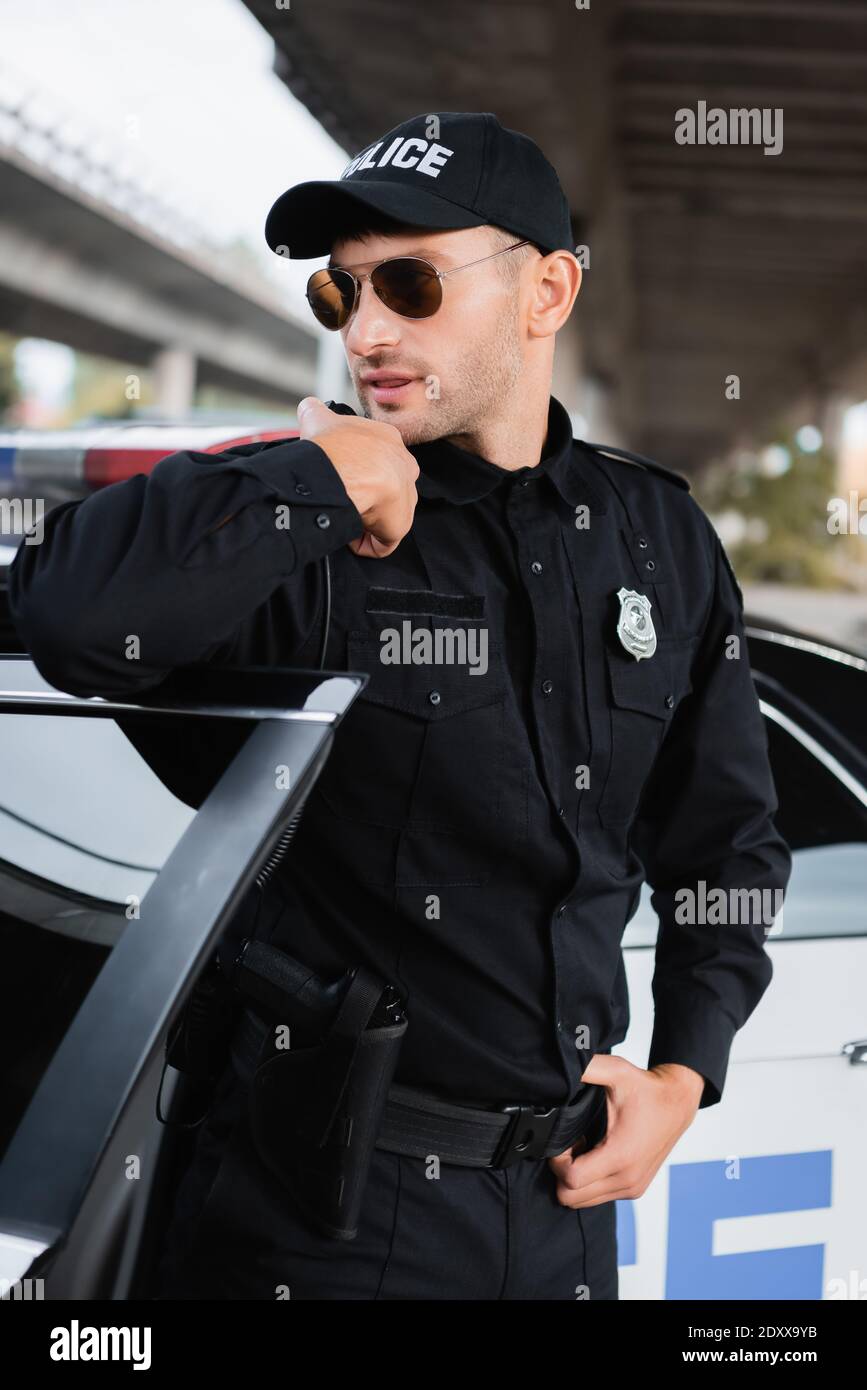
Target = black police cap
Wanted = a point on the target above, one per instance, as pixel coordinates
(448, 170)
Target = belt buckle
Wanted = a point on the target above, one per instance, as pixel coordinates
(526, 1135)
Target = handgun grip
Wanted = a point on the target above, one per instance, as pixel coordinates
(293, 993)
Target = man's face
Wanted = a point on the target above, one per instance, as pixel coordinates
(447, 374)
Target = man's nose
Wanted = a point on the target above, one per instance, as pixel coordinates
(372, 325)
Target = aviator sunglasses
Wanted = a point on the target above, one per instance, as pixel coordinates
(407, 285)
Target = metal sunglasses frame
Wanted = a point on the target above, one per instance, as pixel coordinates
(359, 280)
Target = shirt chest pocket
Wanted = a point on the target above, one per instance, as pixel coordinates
(424, 748)
(643, 698)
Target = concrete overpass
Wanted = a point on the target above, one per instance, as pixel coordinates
(82, 262)
(706, 261)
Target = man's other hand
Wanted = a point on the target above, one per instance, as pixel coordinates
(648, 1111)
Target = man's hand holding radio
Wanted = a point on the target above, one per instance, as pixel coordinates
(378, 472)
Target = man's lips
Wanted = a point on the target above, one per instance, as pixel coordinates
(386, 378)
(387, 386)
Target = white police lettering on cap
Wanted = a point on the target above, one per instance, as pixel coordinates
(425, 156)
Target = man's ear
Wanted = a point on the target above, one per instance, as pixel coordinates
(556, 282)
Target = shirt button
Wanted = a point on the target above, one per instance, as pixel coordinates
(651, 565)
(524, 482)
(547, 687)
(536, 567)
(560, 811)
(561, 909)
(302, 489)
(434, 697)
(669, 701)
(642, 542)
(323, 521)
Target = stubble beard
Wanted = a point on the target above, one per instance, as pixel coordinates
(481, 384)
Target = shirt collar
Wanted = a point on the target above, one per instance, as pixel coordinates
(447, 471)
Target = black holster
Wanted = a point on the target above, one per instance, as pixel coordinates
(315, 1110)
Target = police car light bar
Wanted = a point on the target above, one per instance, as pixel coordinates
(96, 457)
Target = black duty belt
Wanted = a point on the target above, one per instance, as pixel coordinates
(419, 1125)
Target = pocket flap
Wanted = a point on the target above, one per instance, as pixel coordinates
(431, 690)
(656, 684)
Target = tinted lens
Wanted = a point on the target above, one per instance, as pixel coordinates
(408, 287)
(331, 295)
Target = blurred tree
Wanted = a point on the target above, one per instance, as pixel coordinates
(785, 513)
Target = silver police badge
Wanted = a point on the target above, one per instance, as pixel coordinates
(635, 625)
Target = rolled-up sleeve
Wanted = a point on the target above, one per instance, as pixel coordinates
(706, 823)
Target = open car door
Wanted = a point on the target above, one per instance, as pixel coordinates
(130, 834)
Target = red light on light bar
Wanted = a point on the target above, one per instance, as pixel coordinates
(262, 437)
(103, 466)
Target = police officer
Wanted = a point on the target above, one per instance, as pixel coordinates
(559, 707)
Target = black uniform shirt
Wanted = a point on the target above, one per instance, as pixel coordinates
(479, 836)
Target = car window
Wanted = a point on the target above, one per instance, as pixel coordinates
(85, 827)
(81, 809)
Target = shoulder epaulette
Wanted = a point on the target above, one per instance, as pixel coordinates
(639, 459)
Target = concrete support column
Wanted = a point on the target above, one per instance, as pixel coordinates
(598, 410)
(174, 371)
(852, 451)
(590, 402)
(568, 373)
(832, 409)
